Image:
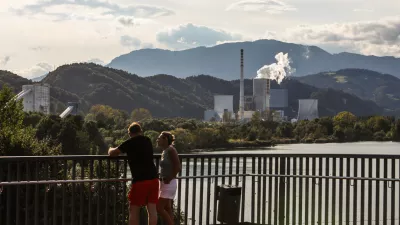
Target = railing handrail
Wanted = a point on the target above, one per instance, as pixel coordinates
(203, 155)
(195, 177)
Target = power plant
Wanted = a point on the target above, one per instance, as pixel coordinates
(265, 100)
(308, 109)
(36, 98)
(261, 94)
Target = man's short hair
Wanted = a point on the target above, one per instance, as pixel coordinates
(135, 128)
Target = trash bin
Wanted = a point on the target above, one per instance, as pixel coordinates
(229, 204)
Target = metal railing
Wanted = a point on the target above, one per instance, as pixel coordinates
(276, 189)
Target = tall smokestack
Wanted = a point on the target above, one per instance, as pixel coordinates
(241, 100)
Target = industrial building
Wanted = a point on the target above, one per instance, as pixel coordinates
(308, 109)
(72, 109)
(270, 102)
(223, 104)
(36, 98)
(261, 94)
(264, 99)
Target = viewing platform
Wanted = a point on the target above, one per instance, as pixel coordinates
(276, 189)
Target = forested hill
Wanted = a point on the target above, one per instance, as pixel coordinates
(383, 89)
(168, 96)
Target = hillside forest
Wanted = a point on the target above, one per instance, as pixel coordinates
(167, 96)
(24, 133)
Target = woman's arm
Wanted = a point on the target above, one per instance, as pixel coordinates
(175, 162)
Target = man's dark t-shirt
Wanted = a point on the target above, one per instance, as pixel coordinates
(140, 158)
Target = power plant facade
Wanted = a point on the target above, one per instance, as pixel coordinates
(36, 98)
(261, 94)
(223, 103)
(263, 99)
(308, 109)
(272, 103)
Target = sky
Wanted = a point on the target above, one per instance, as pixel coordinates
(39, 35)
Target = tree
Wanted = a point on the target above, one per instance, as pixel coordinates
(11, 111)
(344, 119)
(183, 140)
(379, 123)
(107, 117)
(15, 139)
(140, 114)
(153, 135)
(256, 118)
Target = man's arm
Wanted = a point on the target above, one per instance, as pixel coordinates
(114, 152)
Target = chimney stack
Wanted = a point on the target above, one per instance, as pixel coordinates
(241, 100)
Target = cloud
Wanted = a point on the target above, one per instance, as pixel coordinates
(363, 10)
(129, 41)
(147, 45)
(269, 6)
(39, 48)
(133, 21)
(36, 71)
(5, 60)
(191, 35)
(96, 61)
(380, 37)
(61, 10)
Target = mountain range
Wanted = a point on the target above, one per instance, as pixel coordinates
(169, 96)
(223, 61)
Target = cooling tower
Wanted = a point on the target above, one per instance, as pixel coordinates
(261, 93)
(37, 98)
(308, 109)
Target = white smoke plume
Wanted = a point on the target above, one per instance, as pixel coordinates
(276, 71)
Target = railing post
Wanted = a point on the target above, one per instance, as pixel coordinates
(282, 191)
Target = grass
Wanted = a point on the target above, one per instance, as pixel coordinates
(341, 79)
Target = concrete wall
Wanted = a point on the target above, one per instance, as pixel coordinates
(308, 109)
(279, 98)
(261, 97)
(223, 102)
(38, 100)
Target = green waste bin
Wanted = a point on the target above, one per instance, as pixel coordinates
(229, 204)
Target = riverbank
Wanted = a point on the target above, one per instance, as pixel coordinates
(243, 145)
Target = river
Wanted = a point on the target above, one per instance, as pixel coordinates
(331, 148)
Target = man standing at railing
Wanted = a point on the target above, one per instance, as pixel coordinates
(145, 183)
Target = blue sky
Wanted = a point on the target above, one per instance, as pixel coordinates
(38, 35)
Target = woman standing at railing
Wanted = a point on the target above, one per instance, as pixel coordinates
(169, 169)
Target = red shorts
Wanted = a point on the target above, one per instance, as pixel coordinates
(144, 192)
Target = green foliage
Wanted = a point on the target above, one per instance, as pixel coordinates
(344, 119)
(15, 139)
(140, 114)
(153, 135)
(184, 139)
(107, 117)
(105, 127)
